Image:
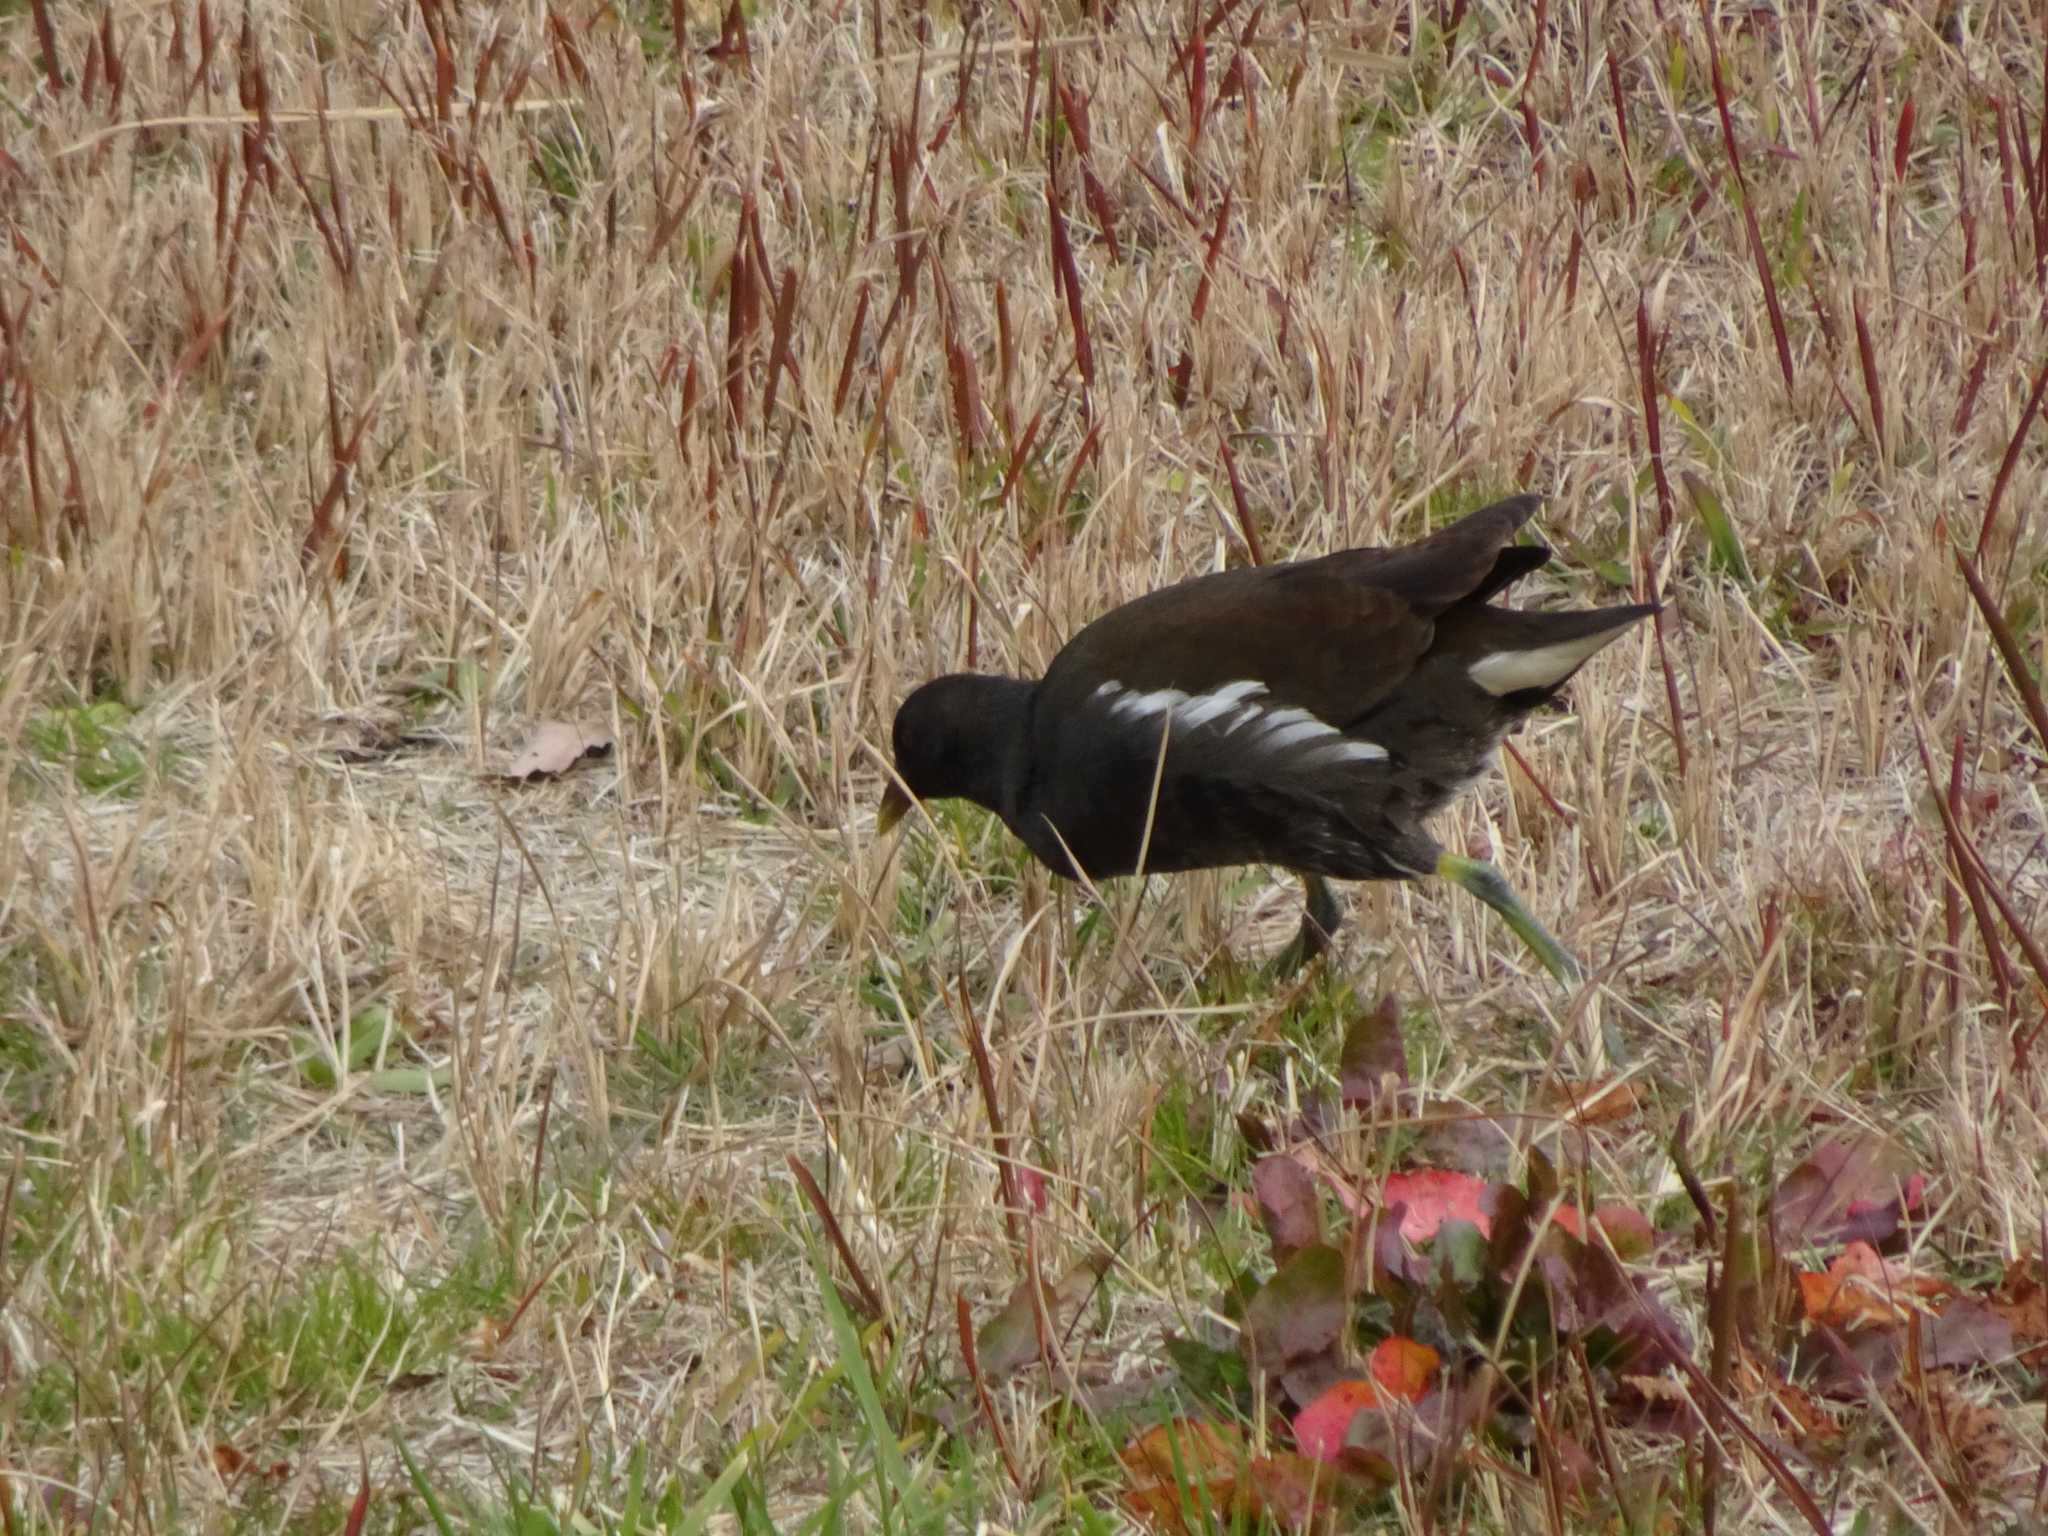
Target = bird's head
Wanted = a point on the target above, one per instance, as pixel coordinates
(954, 738)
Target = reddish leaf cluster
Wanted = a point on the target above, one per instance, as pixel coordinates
(1417, 1321)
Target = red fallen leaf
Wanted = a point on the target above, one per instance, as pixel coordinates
(1188, 1475)
(1031, 1182)
(1627, 1221)
(1862, 1289)
(1433, 1196)
(359, 1510)
(1320, 1428)
(1401, 1372)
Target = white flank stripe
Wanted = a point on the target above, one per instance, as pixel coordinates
(1350, 751)
(1286, 731)
(1291, 732)
(1544, 667)
(1140, 706)
(1204, 707)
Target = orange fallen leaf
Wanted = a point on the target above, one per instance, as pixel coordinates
(1863, 1289)
(1190, 1475)
(1404, 1368)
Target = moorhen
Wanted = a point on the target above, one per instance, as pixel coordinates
(1311, 715)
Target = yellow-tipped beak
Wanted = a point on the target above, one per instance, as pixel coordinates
(895, 803)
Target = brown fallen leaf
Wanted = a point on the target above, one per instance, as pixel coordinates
(1967, 1439)
(1966, 1333)
(2022, 1301)
(554, 747)
(1373, 1056)
(1843, 1192)
(1298, 1315)
(1288, 1205)
(357, 741)
(1010, 1338)
(1601, 1102)
(1628, 1230)
(1797, 1410)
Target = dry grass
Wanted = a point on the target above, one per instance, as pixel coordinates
(714, 396)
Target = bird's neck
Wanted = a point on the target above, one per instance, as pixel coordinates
(1003, 773)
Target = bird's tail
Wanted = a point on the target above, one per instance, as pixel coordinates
(1514, 651)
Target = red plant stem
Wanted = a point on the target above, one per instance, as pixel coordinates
(1749, 224)
(1653, 427)
(2006, 465)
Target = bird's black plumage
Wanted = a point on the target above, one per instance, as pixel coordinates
(1313, 715)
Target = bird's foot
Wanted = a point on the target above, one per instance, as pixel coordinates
(1321, 917)
(1482, 880)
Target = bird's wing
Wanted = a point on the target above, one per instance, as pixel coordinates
(1332, 636)
(1304, 635)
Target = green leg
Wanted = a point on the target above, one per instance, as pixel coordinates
(1484, 881)
(1321, 917)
